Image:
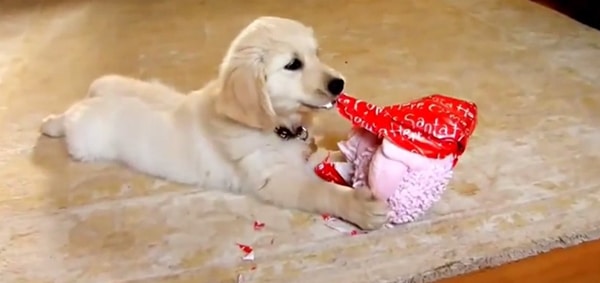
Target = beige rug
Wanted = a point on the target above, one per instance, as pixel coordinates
(528, 183)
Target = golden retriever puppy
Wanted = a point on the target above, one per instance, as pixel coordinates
(243, 132)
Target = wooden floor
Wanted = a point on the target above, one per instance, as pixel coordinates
(585, 11)
(579, 264)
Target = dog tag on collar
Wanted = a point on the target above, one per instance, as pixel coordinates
(285, 133)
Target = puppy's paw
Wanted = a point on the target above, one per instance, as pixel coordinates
(52, 126)
(366, 211)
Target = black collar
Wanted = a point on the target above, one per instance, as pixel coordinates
(286, 133)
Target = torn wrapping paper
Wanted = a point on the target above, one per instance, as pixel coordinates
(338, 225)
(341, 226)
(258, 225)
(331, 171)
(326, 217)
(248, 252)
(249, 257)
(405, 153)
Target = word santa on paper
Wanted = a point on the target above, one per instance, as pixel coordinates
(433, 128)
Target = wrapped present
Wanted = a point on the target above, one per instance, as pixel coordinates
(404, 153)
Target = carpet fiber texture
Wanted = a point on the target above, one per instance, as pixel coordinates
(529, 181)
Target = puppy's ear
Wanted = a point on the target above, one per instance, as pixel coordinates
(243, 97)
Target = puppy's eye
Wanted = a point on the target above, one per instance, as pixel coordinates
(294, 65)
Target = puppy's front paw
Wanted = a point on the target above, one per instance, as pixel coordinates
(365, 210)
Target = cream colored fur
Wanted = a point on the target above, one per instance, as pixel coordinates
(221, 136)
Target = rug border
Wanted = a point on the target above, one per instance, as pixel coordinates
(469, 265)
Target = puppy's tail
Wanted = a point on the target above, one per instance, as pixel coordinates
(53, 126)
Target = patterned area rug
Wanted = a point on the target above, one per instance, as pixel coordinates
(527, 183)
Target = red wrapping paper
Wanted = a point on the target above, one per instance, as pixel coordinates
(434, 126)
(326, 171)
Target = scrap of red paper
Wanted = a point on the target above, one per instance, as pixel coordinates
(326, 171)
(245, 248)
(258, 225)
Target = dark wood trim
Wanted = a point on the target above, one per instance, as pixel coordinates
(584, 11)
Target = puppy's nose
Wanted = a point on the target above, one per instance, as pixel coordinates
(335, 86)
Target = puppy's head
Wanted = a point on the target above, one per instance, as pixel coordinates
(272, 73)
